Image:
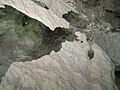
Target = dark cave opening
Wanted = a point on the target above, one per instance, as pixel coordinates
(117, 74)
(52, 40)
(117, 79)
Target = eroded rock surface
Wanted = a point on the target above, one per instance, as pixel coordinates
(68, 69)
(18, 35)
(23, 38)
(103, 18)
(51, 18)
(71, 68)
(100, 21)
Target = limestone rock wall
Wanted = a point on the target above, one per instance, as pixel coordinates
(68, 69)
(75, 66)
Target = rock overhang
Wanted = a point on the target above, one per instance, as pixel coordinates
(52, 17)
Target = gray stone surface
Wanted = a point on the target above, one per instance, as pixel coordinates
(71, 68)
(68, 69)
(111, 44)
(101, 16)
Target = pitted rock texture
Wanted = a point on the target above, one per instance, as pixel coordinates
(68, 69)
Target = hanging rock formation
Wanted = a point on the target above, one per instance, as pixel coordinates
(51, 18)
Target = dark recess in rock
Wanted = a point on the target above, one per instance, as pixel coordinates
(74, 20)
(52, 41)
(117, 75)
(91, 53)
(90, 3)
(23, 38)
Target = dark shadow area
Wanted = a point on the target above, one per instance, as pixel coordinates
(117, 75)
(91, 53)
(88, 3)
(74, 20)
(112, 14)
(52, 41)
